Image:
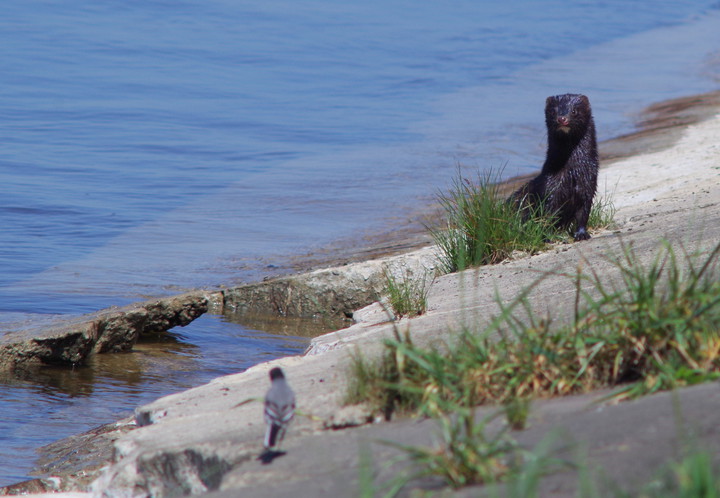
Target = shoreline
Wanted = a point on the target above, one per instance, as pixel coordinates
(671, 125)
(659, 126)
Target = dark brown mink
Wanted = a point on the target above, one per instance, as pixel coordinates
(567, 183)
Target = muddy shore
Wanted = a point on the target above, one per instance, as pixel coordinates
(666, 185)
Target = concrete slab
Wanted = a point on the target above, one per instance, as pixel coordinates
(197, 441)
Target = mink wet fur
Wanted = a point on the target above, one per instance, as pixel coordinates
(567, 183)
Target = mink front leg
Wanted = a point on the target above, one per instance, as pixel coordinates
(582, 219)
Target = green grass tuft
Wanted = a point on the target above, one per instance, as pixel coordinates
(602, 213)
(407, 294)
(517, 410)
(484, 228)
(466, 454)
(694, 476)
(656, 329)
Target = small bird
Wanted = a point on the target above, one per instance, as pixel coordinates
(279, 408)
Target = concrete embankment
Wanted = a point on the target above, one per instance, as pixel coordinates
(206, 440)
(333, 292)
(200, 441)
(108, 331)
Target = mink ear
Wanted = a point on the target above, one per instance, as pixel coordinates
(550, 104)
(585, 100)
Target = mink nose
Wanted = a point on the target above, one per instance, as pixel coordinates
(563, 120)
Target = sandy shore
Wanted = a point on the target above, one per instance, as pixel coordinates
(199, 442)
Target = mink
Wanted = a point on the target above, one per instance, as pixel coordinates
(566, 185)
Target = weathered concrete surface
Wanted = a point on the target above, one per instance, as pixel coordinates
(327, 466)
(336, 291)
(622, 444)
(77, 458)
(199, 440)
(112, 330)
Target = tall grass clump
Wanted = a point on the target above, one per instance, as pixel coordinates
(474, 369)
(386, 384)
(466, 453)
(694, 476)
(657, 327)
(602, 212)
(407, 294)
(483, 228)
(652, 328)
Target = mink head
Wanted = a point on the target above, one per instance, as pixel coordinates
(567, 115)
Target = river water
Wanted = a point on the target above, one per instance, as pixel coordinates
(148, 147)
